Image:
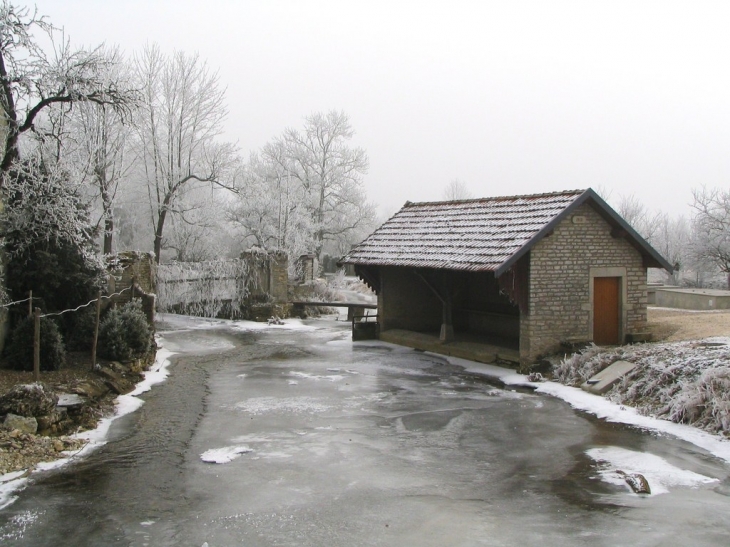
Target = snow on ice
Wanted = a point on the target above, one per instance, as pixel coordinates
(660, 474)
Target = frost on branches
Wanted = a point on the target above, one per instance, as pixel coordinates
(41, 206)
(684, 382)
(205, 288)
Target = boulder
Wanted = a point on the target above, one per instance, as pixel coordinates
(636, 481)
(93, 389)
(21, 423)
(28, 400)
(115, 380)
(47, 422)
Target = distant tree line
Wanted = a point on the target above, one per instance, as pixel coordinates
(136, 143)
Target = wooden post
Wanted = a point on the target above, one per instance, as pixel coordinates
(134, 278)
(96, 330)
(37, 346)
(30, 303)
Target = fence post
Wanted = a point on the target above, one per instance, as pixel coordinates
(37, 345)
(96, 329)
(30, 303)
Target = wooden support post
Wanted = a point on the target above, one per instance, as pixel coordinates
(37, 346)
(447, 321)
(96, 330)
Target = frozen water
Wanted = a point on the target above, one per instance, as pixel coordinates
(660, 474)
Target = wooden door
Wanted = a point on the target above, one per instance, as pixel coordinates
(606, 291)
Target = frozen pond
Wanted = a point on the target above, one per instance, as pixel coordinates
(296, 436)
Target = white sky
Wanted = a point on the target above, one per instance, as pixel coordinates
(511, 97)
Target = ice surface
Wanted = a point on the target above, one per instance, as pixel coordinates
(225, 454)
(660, 474)
(125, 404)
(295, 405)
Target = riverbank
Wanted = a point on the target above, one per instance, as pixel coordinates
(21, 454)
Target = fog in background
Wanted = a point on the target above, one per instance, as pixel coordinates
(509, 97)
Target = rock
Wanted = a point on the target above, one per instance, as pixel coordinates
(93, 389)
(58, 445)
(116, 381)
(49, 420)
(28, 400)
(20, 423)
(636, 481)
(70, 401)
(120, 386)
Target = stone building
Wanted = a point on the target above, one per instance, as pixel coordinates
(508, 278)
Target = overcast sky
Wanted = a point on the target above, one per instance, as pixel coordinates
(511, 97)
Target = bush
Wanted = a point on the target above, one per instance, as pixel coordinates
(79, 329)
(20, 349)
(124, 333)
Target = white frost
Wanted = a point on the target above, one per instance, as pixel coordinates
(659, 473)
(225, 454)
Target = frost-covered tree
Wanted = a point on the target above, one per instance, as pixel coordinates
(47, 237)
(672, 239)
(712, 227)
(39, 69)
(303, 191)
(455, 190)
(181, 118)
(101, 150)
(638, 216)
(330, 172)
(271, 207)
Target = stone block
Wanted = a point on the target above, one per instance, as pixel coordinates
(604, 380)
(21, 423)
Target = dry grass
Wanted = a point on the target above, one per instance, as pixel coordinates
(76, 370)
(676, 325)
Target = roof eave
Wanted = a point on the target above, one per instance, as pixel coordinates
(655, 260)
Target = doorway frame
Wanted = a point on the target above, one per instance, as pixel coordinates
(611, 271)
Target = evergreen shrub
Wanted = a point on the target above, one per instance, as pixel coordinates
(124, 333)
(52, 350)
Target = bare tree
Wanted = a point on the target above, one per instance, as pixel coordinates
(303, 191)
(638, 216)
(330, 172)
(456, 190)
(712, 226)
(672, 239)
(102, 142)
(33, 79)
(180, 119)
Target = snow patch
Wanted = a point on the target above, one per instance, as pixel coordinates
(224, 455)
(660, 474)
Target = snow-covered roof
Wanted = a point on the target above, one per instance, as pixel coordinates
(487, 234)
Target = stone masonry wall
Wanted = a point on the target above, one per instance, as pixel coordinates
(560, 305)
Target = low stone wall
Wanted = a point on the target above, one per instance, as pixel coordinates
(692, 299)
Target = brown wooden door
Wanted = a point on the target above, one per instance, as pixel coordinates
(606, 310)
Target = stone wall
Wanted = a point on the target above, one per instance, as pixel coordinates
(562, 268)
(134, 274)
(248, 287)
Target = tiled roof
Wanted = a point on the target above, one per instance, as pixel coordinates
(477, 235)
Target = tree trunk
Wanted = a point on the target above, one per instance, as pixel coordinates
(108, 234)
(10, 148)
